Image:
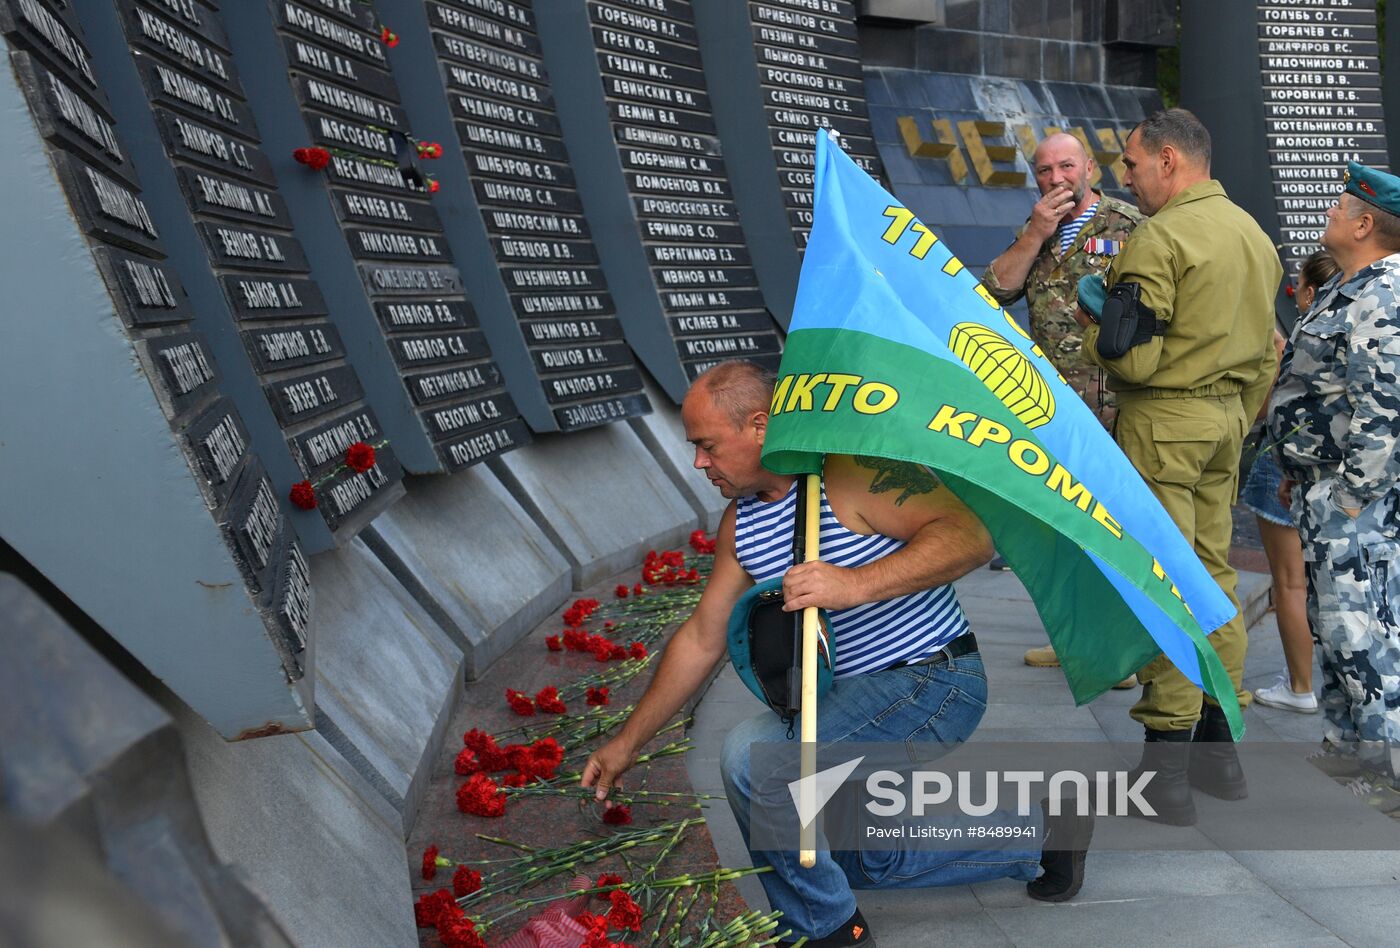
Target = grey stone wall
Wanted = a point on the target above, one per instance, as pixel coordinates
(1086, 41)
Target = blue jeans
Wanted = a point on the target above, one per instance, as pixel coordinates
(931, 708)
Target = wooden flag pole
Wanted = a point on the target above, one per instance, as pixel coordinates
(811, 626)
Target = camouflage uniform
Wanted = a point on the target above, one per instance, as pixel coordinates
(1051, 291)
(1335, 417)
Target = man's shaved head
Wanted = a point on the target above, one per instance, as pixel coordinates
(738, 388)
(1057, 143)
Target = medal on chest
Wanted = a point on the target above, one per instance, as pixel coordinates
(1102, 247)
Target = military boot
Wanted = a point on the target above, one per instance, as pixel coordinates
(1215, 765)
(1168, 793)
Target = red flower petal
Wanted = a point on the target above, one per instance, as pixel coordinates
(359, 457)
(465, 881)
(429, 908)
(619, 815)
(303, 495)
(624, 913)
(430, 862)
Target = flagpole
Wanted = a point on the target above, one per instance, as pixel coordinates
(811, 629)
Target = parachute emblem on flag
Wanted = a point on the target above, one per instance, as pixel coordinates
(1005, 371)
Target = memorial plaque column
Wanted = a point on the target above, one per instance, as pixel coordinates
(472, 75)
(636, 114)
(779, 71)
(374, 237)
(1320, 68)
(213, 189)
(257, 634)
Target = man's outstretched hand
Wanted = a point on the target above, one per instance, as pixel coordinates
(605, 766)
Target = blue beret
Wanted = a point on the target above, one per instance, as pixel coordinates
(1092, 294)
(1374, 187)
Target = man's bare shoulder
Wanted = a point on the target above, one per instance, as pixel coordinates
(900, 479)
(880, 495)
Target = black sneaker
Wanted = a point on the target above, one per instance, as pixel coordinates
(999, 565)
(853, 932)
(1062, 857)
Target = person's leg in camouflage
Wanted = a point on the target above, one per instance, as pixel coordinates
(1355, 589)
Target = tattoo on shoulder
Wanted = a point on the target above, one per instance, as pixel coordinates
(908, 479)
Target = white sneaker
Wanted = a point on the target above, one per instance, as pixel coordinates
(1280, 695)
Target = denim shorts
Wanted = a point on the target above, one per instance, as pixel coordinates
(1260, 492)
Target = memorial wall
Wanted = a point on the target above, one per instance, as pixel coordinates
(780, 71)
(129, 520)
(638, 116)
(212, 186)
(1319, 63)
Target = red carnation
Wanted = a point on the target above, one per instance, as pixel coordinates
(619, 815)
(313, 158)
(429, 908)
(430, 862)
(624, 913)
(637, 650)
(520, 703)
(303, 495)
(460, 933)
(466, 763)
(547, 752)
(637, 589)
(597, 936)
(478, 740)
(465, 881)
(607, 879)
(597, 696)
(480, 796)
(516, 779)
(1288, 289)
(621, 591)
(388, 37)
(617, 653)
(577, 640)
(552, 643)
(433, 186)
(548, 701)
(359, 457)
(602, 652)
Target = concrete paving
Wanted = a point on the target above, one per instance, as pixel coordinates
(1169, 898)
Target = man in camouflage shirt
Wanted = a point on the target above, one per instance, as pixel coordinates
(1073, 230)
(1335, 417)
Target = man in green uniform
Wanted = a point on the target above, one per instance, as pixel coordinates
(1073, 230)
(1199, 277)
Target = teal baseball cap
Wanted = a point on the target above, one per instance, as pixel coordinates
(1376, 188)
(1092, 293)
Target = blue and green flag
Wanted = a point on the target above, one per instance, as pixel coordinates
(896, 350)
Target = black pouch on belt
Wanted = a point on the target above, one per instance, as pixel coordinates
(1126, 321)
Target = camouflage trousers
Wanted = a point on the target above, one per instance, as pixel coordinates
(1353, 595)
(1088, 383)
